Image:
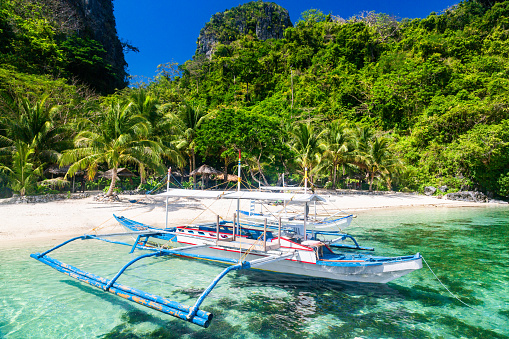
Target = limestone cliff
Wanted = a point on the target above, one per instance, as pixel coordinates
(92, 19)
(265, 20)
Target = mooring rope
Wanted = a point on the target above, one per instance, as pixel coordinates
(444, 285)
(100, 226)
(250, 248)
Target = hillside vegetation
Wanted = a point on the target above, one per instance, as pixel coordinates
(393, 104)
(51, 39)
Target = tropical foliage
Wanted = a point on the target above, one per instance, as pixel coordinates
(23, 172)
(32, 41)
(116, 137)
(394, 104)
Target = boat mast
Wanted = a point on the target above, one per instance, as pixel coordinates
(238, 174)
(306, 180)
(167, 190)
(238, 199)
(306, 204)
(284, 201)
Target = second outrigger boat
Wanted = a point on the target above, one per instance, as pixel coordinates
(292, 219)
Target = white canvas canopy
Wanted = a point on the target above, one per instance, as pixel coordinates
(269, 196)
(198, 194)
(249, 195)
(281, 188)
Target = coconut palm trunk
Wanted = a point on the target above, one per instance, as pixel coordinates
(193, 165)
(113, 182)
(371, 179)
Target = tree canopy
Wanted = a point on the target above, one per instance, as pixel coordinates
(396, 104)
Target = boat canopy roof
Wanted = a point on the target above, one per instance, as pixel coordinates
(281, 188)
(249, 195)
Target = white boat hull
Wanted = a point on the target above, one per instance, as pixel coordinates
(366, 274)
(306, 258)
(304, 263)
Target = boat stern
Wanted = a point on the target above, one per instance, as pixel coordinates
(407, 263)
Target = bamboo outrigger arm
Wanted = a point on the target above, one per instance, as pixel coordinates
(173, 308)
(192, 314)
(239, 266)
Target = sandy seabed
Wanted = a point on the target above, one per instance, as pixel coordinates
(74, 217)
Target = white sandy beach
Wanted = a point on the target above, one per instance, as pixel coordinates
(74, 217)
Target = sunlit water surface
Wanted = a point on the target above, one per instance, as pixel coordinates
(468, 249)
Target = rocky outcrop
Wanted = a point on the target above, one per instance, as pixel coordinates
(32, 199)
(93, 19)
(104, 198)
(266, 20)
(429, 190)
(469, 196)
(272, 23)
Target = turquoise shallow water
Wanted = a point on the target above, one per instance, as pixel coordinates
(468, 249)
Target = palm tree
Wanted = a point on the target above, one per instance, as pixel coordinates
(362, 136)
(378, 160)
(306, 144)
(338, 149)
(23, 172)
(255, 167)
(186, 122)
(337, 146)
(119, 137)
(146, 105)
(32, 123)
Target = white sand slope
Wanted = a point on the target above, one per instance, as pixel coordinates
(67, 218)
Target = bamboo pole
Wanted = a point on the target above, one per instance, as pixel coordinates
(265, 235)
(279, 233)
(217, 229)
(167, 189)
(234, 224)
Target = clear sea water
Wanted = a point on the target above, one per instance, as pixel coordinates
(468, 248)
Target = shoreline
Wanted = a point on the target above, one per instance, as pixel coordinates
(74, 217)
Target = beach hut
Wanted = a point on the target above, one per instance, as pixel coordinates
(230, 177)
(205, 171)
(60, 173)
(121, 173)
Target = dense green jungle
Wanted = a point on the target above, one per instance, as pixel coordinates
(372, 102)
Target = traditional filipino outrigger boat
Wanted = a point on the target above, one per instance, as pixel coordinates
(297, 250)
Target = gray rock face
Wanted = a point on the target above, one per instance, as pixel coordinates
(273, 23)
(469, 196)
(429, 190)
(443, 189)
(94, 19)
(265, 20)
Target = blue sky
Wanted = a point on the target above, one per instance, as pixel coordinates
(167, 30)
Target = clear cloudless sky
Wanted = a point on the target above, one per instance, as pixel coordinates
(167, 30)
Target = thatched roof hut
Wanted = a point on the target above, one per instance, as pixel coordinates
(205, 170)
(61, 171)
(121, 173)
(231, 177)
